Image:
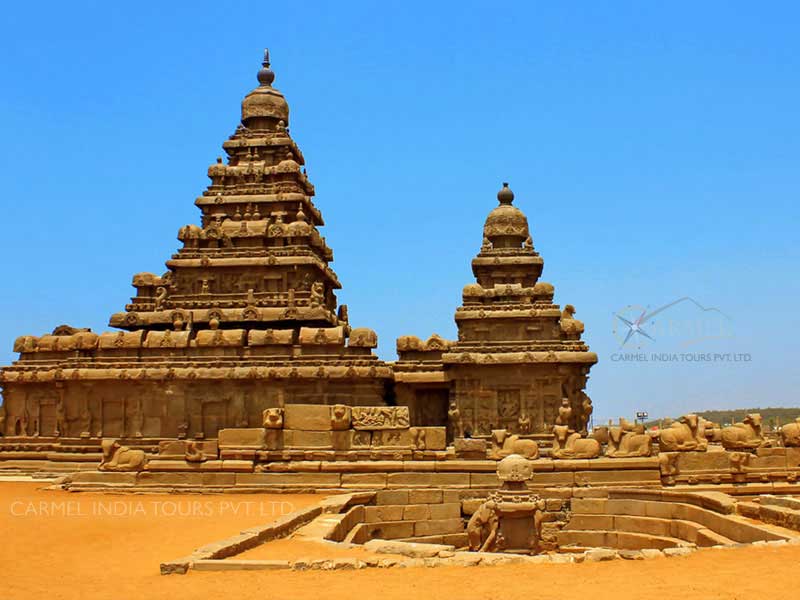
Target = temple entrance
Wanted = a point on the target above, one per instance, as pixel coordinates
(430, 408)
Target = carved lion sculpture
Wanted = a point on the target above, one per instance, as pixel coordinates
(745, 435)
(482, 527)
(570, 444)
(790, 434)
(121, 458)
(340, 417)
(627, 440)
(272, 418)
(504, 444)
(685, 435)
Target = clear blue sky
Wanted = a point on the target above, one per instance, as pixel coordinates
(653, 146)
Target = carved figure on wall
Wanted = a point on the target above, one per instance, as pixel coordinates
(586, 412)
(482, 527)
(238, 410)
(380, 417)
(505, 444)
(120, 458)
(746, 435)
(524, 423)
(86, 420)
(273, 418)
(61, 419)
(454, 421)
(564, 413)
(668, 466)
(161, 295)
(317, 294)
(137, 419)
(419, 435)
(684, 435)
(567, 444)
(790, 434)
(624, 441)
(340, 417)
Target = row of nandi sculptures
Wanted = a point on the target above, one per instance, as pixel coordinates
(690, 433)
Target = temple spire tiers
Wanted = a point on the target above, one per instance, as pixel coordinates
(244, 318)
(257, 259)
(517, 356)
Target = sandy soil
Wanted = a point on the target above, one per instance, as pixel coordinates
(83, 546)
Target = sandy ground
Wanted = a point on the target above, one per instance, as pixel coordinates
(85, 546)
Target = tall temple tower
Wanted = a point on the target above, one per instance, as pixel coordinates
(245, 317)
(257, 260)
(518, 356)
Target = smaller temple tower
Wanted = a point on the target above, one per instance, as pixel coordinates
(518, 355)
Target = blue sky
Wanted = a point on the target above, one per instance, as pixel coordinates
(654, 149)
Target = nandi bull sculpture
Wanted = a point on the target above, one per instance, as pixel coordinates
(687, 434)
(570, 444)
(746, 435)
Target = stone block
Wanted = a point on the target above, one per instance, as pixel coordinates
(254, 438)
(291, 479)
(170, 479)
(416, 512)
(775, 462)
(237, 466)
(470, 448)
(593, 506)
(482, 480)
(364, 480)
(427, 480)
(451, 510)
(390, 530)
(103, 477)
(274, 439)
(392, 438)
(302, 438)
(390, 497)
(424, 496)
(702, 461)
(566, 478)
(430, 438)
(307, 417)
(611, 477)
(374, 514)
(438, 527)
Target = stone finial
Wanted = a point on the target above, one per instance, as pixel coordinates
(514, 468)
(265, 75)
(505, 195)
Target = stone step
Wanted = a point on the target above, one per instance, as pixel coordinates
(618, 540)
(670, 528)
(733, 527)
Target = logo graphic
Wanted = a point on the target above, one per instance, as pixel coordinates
(637, 324)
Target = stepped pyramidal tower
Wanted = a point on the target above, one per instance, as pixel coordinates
(245, 320)
(518, 363)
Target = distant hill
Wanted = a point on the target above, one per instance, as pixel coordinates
(772, 416)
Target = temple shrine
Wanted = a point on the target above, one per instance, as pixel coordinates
(245, 319)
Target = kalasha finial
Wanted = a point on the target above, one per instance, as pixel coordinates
(265, 75)
(505, 196)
